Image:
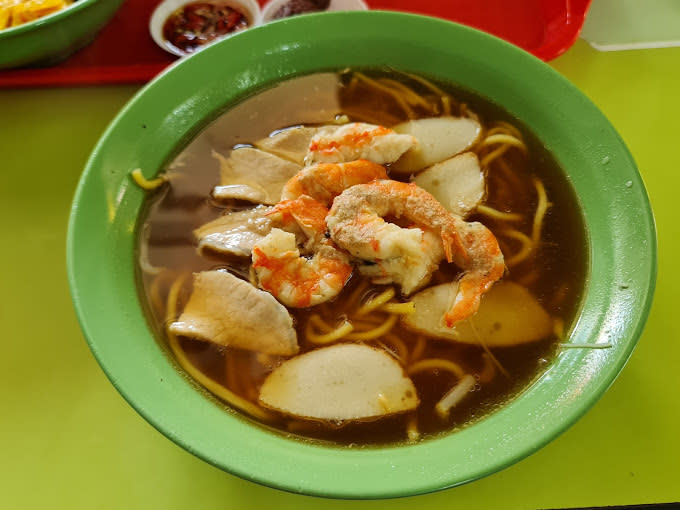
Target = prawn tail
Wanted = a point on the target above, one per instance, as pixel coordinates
(308, 213)
(466, 303)
(453, 245)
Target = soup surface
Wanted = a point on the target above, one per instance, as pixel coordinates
(458, 378)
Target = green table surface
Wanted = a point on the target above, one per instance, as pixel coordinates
(68, 440)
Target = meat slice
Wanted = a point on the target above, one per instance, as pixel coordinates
(253, 175)
(342, 382)
(234, 233)
(228, 311)
(290, 144)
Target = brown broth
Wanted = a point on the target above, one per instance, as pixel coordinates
(555, 275)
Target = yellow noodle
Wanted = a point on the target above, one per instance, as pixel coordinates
(529, 279)
(367, 322)
(541, 209)
(392, 93)
(495, 131)
(336, 334)
(144, 183)
(496, 153)
(418, 350)
(446, 105)
(436, 364)
(527, 247)
(376, 332)
(505, 127)
(504, 139)
(317, 321)
(429, 85)
(412, 431)
(454, 395)
(173, 295)
(144, 263)
(376, 301)
(488, 371)
(486, 349)
(398, 343)
(399, 308)
(409, 95)
(352, 84)
(466, 112)
(509, 174)
(495, 214)
(389, 351)
(358, 292)
(212, 386)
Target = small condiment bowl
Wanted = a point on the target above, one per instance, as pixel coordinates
(272, 7)
(250, 9)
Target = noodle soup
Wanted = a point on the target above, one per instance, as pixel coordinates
(520, 197)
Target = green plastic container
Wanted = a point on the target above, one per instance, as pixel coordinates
(51, 39)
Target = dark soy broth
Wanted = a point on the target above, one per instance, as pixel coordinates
(554, 273)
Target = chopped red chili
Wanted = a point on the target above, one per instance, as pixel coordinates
(198, 23)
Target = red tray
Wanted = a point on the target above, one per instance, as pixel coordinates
(125, 53)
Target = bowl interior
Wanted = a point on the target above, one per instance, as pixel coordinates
(156, 124)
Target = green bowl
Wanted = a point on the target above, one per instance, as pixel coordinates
(170, 110)
(51, 39)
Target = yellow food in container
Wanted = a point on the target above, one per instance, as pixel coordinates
(18, 12)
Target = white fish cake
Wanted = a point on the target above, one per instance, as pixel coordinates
(457, 183)
(439, 138)
(343, 382)
(228, 311)
(508, 315)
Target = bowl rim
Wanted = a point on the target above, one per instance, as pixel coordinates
(54, 17)
(476, 451)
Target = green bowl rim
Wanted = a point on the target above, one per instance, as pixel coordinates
(350, 466)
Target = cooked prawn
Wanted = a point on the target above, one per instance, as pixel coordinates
(358, 140)
(356, 223)
(325, 181)
(302, 214)
(409, 257)
(295, 280)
